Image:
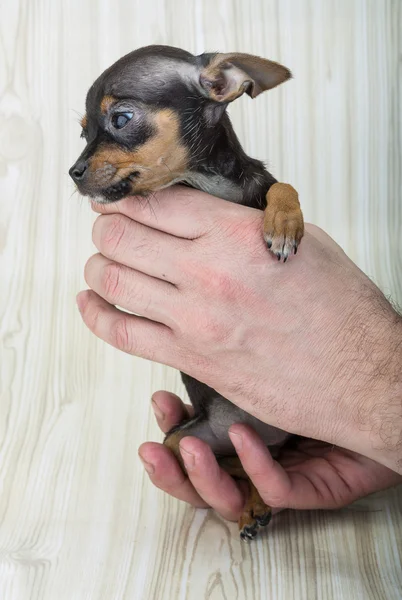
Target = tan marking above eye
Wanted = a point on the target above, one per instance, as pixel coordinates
(84, 122)
(106, 103)
(159, 161)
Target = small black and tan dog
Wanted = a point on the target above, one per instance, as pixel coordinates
(158, 117)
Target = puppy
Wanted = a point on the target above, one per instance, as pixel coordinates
(158, 117)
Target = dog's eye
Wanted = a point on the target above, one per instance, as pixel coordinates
(119, 120)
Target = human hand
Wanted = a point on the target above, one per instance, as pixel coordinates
(313, 475)
(312, 346)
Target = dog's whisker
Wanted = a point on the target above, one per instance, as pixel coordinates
(168, 168)
(155, 198)
(79, 114)
(72, 193)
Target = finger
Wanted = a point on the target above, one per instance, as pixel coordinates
(278, 487)
(177, 210)
(213, 485)
(142, 248)
(128, 333)
(165, 473)
(131, 290)
(270, 479)
(169, 410)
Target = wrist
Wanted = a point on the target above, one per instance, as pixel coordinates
(376, 410)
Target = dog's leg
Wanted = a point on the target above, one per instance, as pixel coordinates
(256, 513)
(172, 441)
(197, 426)
(283, 220)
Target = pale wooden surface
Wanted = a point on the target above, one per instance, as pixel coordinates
(79, 519)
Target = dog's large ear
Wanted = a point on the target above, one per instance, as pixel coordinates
(228, 76)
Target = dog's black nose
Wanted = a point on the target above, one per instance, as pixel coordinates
(78, 170)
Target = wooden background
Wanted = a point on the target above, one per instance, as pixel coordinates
(79, 519)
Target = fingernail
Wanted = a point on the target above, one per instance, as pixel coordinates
(157, 411)
(82, 300)
(237, 440)
(147, 466)
(188, 459)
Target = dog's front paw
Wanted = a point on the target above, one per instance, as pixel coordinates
(283, 221)
(283, 232)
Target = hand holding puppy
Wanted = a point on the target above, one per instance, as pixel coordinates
(312, 347)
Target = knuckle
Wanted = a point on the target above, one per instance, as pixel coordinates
(111, 280)
(91, 316)
(122, 337)
(113, 230)
(274, 500)
(143, 247)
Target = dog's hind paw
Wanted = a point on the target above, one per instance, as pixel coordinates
(252, 520)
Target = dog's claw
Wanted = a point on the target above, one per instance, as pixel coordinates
(264, 520)
(249, 532)
(254, 522)
(281, 246)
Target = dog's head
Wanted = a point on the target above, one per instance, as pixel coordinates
(150, 115)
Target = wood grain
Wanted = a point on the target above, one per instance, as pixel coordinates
(79, 519)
